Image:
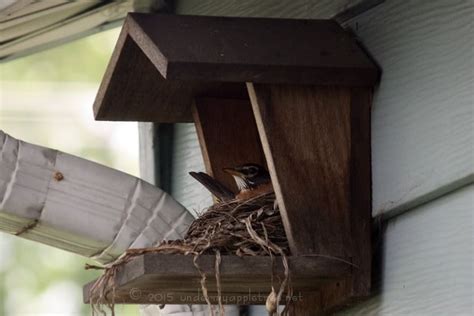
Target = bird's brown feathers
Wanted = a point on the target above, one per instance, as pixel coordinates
(219, 190)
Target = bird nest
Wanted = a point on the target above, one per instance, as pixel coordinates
(244, 228)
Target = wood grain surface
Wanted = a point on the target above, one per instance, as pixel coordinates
(305, 133)
(175, 275)
(229, 49)
(152, 76)
(317, 144)
(133, 90)
(228, 136)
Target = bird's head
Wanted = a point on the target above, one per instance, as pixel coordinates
(249, 176)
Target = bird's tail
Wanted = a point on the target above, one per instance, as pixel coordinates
(219, 190)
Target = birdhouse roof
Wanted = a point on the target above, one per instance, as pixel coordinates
(162, 62)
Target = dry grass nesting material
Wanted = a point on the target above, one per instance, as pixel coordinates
(243, 228)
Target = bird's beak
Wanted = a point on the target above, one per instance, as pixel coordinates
(233, 171)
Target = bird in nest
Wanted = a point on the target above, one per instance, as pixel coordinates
(251, 179)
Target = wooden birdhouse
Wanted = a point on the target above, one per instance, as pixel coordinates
(293, 95)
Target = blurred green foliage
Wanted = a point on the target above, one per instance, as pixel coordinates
(36, 279)
(83, 60)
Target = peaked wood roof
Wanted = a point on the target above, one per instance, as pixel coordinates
(162, 62)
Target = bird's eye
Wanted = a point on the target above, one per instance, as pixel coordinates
(253, 170)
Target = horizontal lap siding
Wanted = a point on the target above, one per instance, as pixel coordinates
(426, 261)
(422, 119)
(422, 140)
(267, 8)
(187, 157)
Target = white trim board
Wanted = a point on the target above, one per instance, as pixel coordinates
(147, 150)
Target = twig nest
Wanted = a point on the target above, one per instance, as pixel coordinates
(244, 228)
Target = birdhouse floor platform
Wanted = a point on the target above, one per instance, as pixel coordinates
(174, 279)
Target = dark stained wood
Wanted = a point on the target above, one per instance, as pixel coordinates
(133, 90)
(228, 136)
(317, 144)
(307, 304)
(251, 49)
(308, 119)
(176, 275)
(358, 285)
(161, 62)
(361, 189)
(305, 132)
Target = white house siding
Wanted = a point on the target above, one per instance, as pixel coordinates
(422, 142)
(422, 124)
(422, 145)
(187, 157)
(147, 152)
(427, 261)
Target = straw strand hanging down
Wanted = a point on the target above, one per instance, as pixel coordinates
(243, 228)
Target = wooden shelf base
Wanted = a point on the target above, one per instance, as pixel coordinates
(173, 279)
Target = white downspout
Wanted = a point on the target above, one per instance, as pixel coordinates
(80, 206)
